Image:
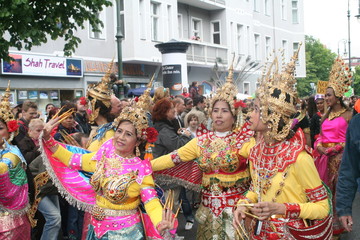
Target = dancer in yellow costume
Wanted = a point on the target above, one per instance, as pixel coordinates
(121, 180)
(221, 155)
(286, 198)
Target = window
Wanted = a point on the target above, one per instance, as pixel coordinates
(196, 28)
(169, 22)
(246, 87)
(267, 7)
(102, 30)
(267, 46)
(285, 48)
(283, 9)
(142, 19)
(239, 38)
(295, 49)
(257, 45)
(248, 39)
(180, 26)
(295, 12)
(215, 28)
(155, 15)
(256, 5)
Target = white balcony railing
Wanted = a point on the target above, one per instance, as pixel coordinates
(205, 4)
(206, 53)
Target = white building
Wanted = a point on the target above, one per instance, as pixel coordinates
(245, 27)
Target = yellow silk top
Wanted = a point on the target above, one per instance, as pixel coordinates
(153, 207)
(95, 145)
(13, 158)
(192, 150)
(302, 180)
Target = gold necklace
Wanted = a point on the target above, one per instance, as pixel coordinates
(334, 115)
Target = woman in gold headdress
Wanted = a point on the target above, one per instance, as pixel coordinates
(286, 199)
(331, 141)
(99, 97)
(221, 156)
(120, 180)
(13, 181)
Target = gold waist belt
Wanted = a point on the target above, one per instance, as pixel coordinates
(332, 144)
(100, 213)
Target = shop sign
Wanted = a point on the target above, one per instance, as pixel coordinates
(37, 65)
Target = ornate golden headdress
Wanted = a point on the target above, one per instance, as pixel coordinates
(5, 108)
(100, 91)
(277, 95)
(227, 92)
(136, 114)
(340, 77)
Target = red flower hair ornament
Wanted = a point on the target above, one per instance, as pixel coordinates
(151, 134)
(82, 101)
(239, 103)
(12, 125)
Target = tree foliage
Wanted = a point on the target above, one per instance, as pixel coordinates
(27, 23)
(319, 60)
(356, 80)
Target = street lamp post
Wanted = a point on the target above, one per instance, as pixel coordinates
(119, 36)
(349, 41)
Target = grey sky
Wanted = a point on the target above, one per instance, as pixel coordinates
(327, 20)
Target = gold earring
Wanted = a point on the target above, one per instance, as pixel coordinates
(137, 151)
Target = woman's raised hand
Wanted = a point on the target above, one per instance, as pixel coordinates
(49, 126)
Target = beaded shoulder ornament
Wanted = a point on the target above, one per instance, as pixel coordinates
(277, 95)
(100, 91)
(340, 77)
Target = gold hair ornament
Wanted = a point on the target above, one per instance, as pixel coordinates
(277, 95)
(136, 114)
(100, 91)
(227, 92)
(340, 77)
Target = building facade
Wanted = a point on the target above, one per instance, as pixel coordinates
(216, 30)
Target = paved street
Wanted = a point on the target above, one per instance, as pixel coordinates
(188, 235)
(354, 235)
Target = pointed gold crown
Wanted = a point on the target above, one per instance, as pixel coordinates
(102, 90)
(277, 95)
(5, 108)
(145, 99)
(227, 92)
(136, 113)
(340, 77)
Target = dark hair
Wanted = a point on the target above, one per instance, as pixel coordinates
(52, 112)
(67, 107)
(311, 106)
(326, 115)
(161, 108)
(193, 84)
(188, 100)
(49, 105)
(198, 99)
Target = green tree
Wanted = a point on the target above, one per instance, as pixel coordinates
(319, 60)
(27, 23)
(356, 80)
